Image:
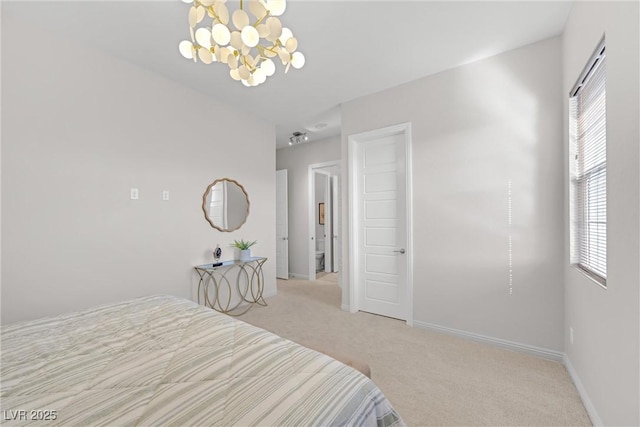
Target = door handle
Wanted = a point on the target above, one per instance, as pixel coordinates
(401, 251)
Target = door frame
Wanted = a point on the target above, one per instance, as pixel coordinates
(311, 207)
(354, 142)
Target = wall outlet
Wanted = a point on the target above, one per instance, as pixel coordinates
(571, 335)
(134, 194)
(165, 195)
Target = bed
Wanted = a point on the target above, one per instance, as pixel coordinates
(164, 360)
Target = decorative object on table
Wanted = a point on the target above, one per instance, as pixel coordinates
(225, 204)
(321, 213)
(245, 248)
(238, 45)
(217, 253)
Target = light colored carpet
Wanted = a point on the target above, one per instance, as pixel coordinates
(430, 378)
(327, 277)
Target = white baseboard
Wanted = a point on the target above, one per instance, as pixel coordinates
(345, 307)
(586, 401)
(508, 345)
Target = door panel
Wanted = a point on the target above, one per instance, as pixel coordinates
(381, 237)
(381, 209)
(335, 235)
(380, 182)
(328, 225)
(282, 226)
(381, 291)
(383, 264)
(382, 226)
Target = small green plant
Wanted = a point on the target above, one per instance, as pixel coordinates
(243, 245)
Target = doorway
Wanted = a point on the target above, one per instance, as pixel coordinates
(324, 219)
(380, 222)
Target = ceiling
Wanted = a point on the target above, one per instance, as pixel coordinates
(352, 48)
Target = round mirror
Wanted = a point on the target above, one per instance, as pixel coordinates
(225, 204)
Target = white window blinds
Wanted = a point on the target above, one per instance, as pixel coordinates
(589, 178)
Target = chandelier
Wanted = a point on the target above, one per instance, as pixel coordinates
(297, 138)
(245, 41)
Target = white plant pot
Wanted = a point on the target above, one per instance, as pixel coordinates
(245, 254)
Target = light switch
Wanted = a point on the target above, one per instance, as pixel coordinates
(165, 195)
(134, 194)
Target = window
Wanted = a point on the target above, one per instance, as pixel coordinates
(588, 130)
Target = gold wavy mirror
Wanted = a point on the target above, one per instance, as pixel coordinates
(225, 204)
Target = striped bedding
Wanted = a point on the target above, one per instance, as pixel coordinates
(168, 361)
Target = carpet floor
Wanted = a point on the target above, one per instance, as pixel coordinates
(430, 378)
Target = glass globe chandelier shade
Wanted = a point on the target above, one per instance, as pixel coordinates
(247, 40)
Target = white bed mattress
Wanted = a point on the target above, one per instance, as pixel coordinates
(169, 361)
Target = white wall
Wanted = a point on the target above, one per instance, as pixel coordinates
(605, 356)
(79, 128)
(475, 128)
(296, 160)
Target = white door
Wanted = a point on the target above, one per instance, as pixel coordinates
(328, 224)
(335, 237)
(282, 226)
(381, 220)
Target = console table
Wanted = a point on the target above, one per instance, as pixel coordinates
(218, 292)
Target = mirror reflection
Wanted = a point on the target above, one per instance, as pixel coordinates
(225, 204)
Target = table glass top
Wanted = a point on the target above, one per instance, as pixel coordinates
(229, 263)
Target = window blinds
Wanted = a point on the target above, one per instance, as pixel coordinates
(589, 192)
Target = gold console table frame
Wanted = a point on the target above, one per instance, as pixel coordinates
(249, 283)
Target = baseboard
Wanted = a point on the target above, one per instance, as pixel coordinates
(586, 401)
(508, 345)
(345, 307)
(298, 276)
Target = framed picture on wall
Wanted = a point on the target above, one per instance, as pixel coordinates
(321, 213)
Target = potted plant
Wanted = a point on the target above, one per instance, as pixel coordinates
(245, 248)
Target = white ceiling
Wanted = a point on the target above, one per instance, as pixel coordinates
(352, 48)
